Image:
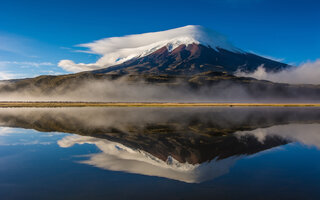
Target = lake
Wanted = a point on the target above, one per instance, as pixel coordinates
(160, 153)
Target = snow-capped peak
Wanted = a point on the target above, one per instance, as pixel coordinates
(116, 50)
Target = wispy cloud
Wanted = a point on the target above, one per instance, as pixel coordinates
(268, 57)
(21, 69)
(9, 44)
(22, 137)
(8, 75)
(27, 64)
(17, 45)
(306, 73)
(6, 130)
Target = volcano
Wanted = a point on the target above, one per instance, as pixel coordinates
(193, 59)
(187, 50)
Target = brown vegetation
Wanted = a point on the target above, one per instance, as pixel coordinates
(149, 104)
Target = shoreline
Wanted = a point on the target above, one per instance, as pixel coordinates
(149, 104)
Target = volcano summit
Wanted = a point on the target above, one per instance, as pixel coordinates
(186, 50)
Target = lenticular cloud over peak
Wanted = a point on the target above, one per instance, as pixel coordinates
(116, 50)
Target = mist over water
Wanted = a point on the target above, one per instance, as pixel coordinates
(121, 90)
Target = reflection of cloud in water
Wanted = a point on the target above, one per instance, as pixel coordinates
(23, 137)
(4, 131)
(308, 134)
(117, 157)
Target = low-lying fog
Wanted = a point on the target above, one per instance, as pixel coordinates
(124, 91)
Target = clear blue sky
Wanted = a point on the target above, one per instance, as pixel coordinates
(35, 35)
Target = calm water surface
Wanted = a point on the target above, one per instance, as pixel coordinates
(159, 153)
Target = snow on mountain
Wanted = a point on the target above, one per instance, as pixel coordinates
(116, 50)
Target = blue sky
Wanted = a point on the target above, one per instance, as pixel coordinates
(36, 35)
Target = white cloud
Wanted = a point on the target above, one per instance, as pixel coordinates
(116, 50)
(27, 64)
(8, 75)
(307, 73)
(70, 66)
(19, 69)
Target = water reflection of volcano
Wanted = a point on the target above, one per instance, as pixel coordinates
(186, 144)
(117, 157)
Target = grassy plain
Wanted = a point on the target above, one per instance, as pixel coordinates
(150, 104)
